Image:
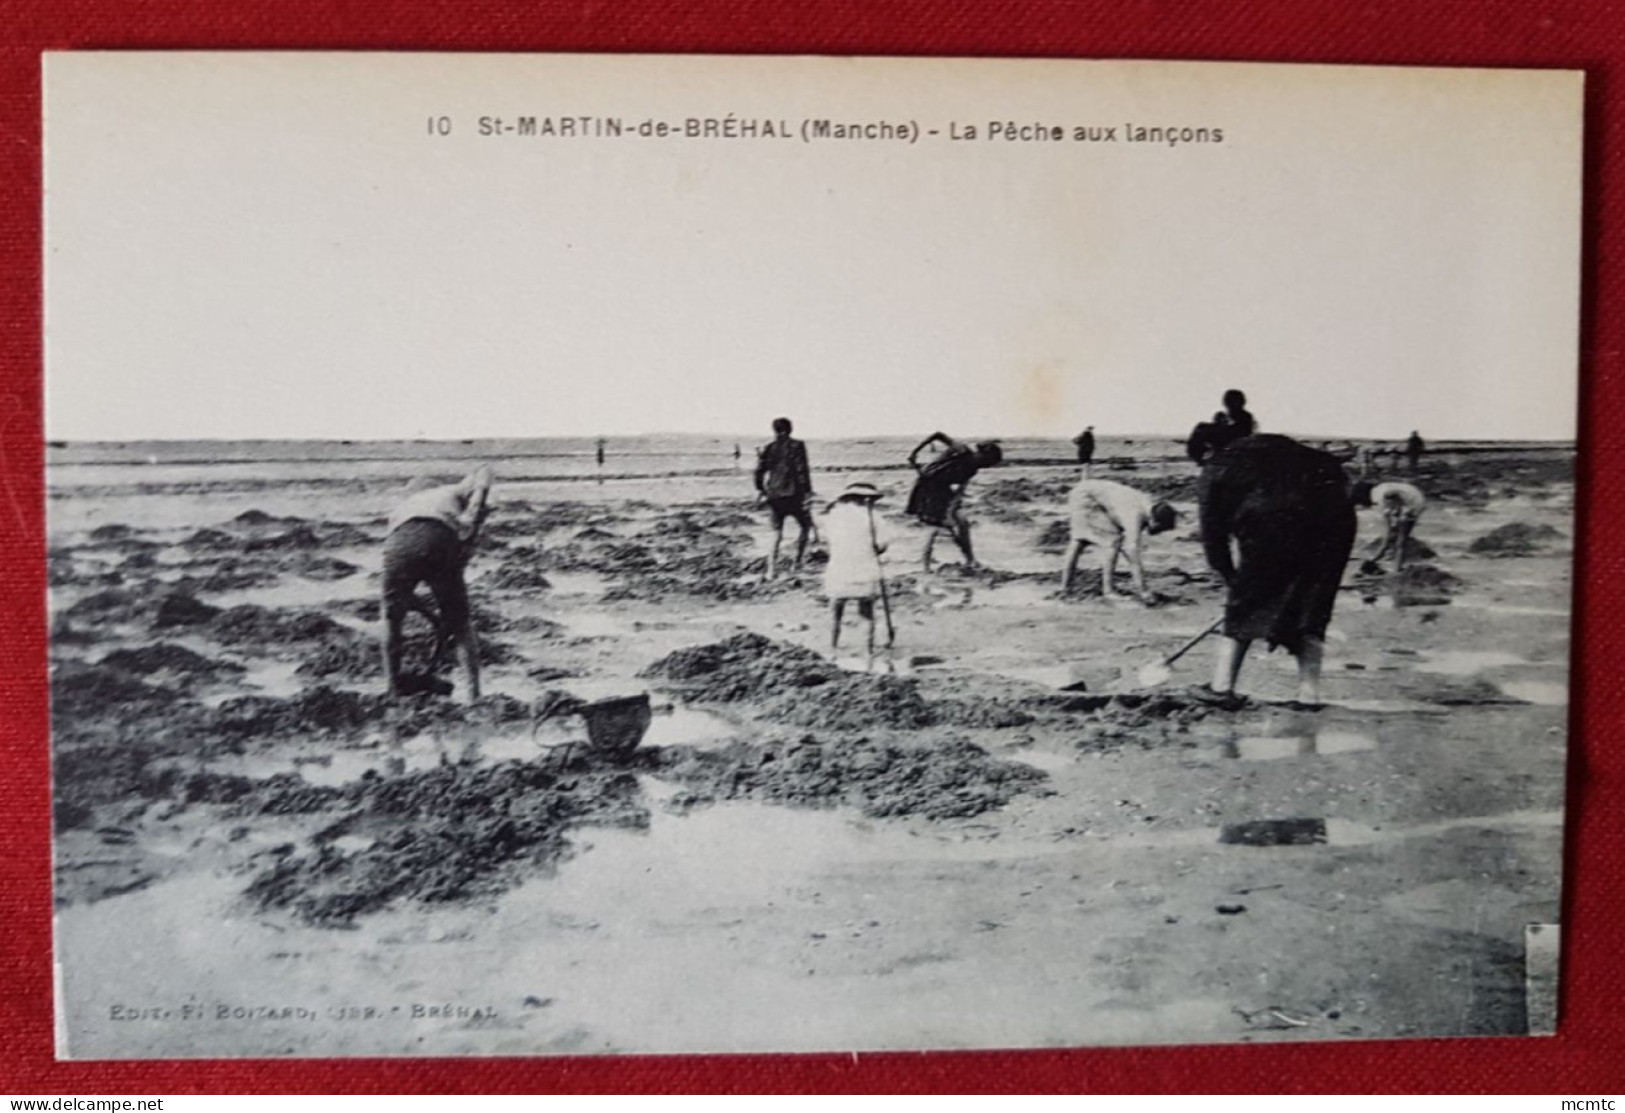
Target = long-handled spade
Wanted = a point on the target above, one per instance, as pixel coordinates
(1157, 672)
(885, 595)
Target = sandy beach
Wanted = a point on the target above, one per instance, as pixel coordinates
(992, 836)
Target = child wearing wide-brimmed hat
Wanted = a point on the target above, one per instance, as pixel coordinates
(854, 570)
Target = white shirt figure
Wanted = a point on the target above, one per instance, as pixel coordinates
(456, 505)
(1399, 500)
(1114, 517)
(1401, 505)
(853, 571)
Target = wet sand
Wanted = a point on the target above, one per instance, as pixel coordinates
(993, 839)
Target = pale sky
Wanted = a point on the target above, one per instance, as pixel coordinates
(244, 245)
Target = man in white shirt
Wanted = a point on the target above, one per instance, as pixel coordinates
(1115, 518)
(431, 536)
(1401, 505)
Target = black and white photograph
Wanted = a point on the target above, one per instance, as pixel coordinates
(585, 555)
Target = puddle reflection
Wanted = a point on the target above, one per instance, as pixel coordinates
(1295, 745)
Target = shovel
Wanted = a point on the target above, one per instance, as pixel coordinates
(1157, 672)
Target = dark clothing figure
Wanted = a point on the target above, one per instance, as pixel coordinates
(936, 492)
(784, 481)
(1413, 450)
(792, 508)
(600, 452)
(782, 471)
(1208, 438)
(1086, 445)
(423, 551)
(432, 534)
(1287, 508)
(940, 489)
(1239, 423)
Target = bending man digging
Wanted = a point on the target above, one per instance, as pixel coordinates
(431, 536)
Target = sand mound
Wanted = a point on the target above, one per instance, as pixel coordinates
(325, 568)
(1023, 489)
(366, 610)
(336, 712)
(1169, 488)
(299, 537)
(1147, 717)
(682, 555)
(181, 609)
(518, 572)
(63, 571)
(347, 535)
(440, 835)
(314, 711)
(256, 518)
(229, 574)
(787, 683)
(356, 657)
(1417, 585)
(125, 606)
(1457, 692)
(349, 659)
(114, 605)
(167, 660)
(744, 667)
(261, 627)
(209, 540)
(1515, 539)
(945, 779)
(1055, 536)
(78, 689)
(1415, 549)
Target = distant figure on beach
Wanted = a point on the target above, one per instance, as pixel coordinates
(938, 495)
(736, 455)
(1115, 518)
(1401, 505)
(432, 534)
(854, 571)
(1086, 448)
(1288, 511)
(601, 443)
(1413, 450)
(784, 482)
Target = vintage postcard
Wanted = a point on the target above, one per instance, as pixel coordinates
(582, 555)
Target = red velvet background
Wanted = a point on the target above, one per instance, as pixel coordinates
(1589, 1056)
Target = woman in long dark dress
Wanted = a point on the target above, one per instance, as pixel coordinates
(1287, 510)
(938, 494)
